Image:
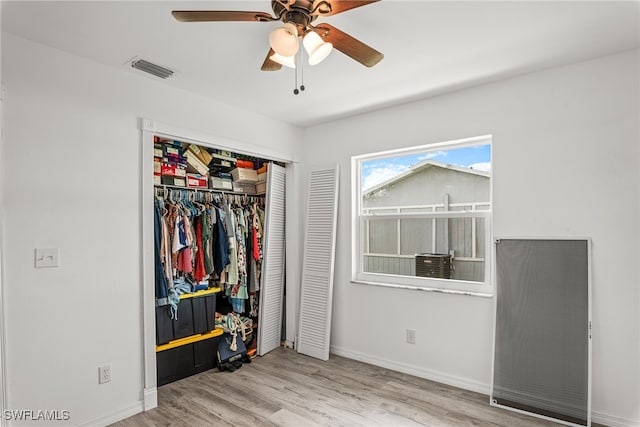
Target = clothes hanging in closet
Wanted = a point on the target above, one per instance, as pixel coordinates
(160, 276)
(211, 241)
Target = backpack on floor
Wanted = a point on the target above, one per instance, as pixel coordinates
(228, 359)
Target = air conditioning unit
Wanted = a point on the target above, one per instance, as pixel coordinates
(433, 265)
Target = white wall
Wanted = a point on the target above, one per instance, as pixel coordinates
(565, 162)
(565, 142)
(71, 175)
(2, 334)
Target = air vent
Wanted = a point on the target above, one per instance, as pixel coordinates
(151, 68)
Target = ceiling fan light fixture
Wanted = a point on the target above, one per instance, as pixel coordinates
(316, 48)
(287, 61)
(284, 40)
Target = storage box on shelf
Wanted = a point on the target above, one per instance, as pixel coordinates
(157, 163)
(174, 180)
(221, 184)
(194, 164)
(261, 188)
(196, 181)
(245, 164)
(263, 169)
(171, 149)
(244, 188)
(219, 164)
(244, 176)
(173, 169)
(203, 155)
(169, 167)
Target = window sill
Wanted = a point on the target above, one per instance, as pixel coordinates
(425, 288)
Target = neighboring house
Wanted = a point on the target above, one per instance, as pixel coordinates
(429, 186)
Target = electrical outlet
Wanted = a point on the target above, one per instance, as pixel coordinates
(411, 336)
(104, 374)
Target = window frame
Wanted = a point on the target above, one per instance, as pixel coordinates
(484, 288)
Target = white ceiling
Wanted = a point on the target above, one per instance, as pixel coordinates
(430, 47)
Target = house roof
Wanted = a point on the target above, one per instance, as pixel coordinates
(422, 166)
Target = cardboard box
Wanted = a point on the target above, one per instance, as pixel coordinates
(195, 180)
(221, 184)
(261, 187)
(201, 154)
(194, 164)
(174, 180)
(173, 169)
(244, 176)
(262, 177)
(244, 188)
(157, 179)
(247, 164)
(174, 158)
(221, 164)
(168, 149)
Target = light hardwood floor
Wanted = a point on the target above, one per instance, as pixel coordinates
(284, 388)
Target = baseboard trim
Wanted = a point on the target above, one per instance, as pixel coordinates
(150, 398)
(612, 420)
(117, 415)
(427, 374)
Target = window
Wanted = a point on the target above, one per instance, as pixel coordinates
(422, 216)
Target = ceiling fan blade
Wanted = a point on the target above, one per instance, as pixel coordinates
(220, 15)
(333, 7)
(348, 45)
(268, 64)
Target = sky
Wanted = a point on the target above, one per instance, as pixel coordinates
(376, 171)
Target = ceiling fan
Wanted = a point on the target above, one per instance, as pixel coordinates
(297, 16)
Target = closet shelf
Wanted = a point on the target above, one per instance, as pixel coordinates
(189, 340)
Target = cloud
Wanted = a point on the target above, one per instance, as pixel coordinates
(381, 174)
(431, 155)
(483, 166)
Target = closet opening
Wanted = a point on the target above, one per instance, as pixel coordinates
(214, 237)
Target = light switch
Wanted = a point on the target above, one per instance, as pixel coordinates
(47, 257)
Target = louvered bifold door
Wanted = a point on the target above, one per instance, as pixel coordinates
(272, 279)
(316, 291)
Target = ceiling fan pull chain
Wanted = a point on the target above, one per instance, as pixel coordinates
(301, 62)
(295, 84)
(302, 69)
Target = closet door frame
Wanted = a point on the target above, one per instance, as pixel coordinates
(148, 129)
(3, 394)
